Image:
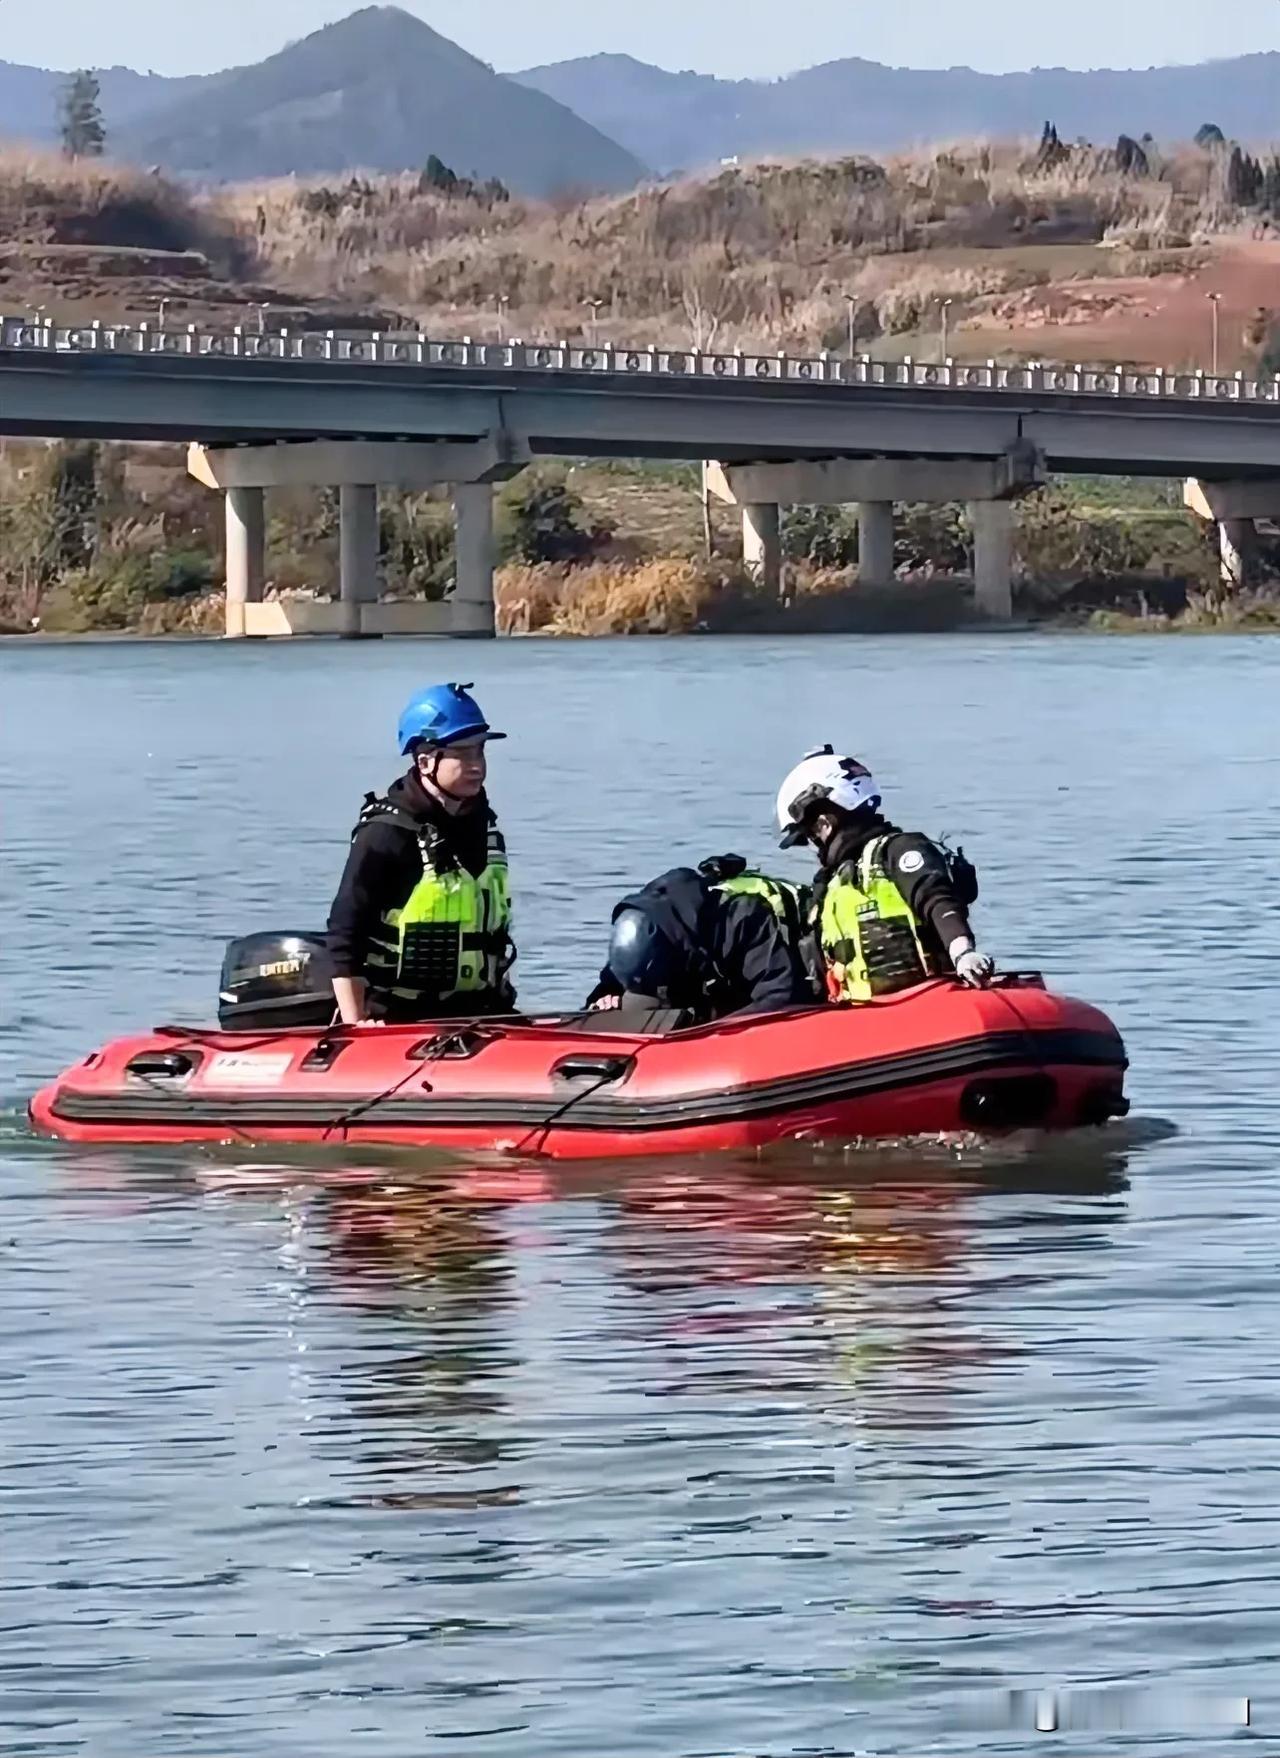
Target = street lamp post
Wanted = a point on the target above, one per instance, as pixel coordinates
(504, 305)
(594, 305)
(1215, 301)
(851, 301)
(946, 330)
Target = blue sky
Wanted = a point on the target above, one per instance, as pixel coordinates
(755, 38)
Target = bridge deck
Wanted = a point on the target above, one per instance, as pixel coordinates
(246, 387)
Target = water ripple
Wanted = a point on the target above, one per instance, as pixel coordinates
(827, 1453)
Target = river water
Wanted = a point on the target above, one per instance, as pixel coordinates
(378, 1455)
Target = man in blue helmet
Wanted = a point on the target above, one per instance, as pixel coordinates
(421, 924)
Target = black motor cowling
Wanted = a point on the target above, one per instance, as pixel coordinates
(275, 982)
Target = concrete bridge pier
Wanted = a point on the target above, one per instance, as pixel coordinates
(989, 486)
(1237, 551)
(1234, 507)
(992, 523)
(357, 468)
(473, 605)
(357, 553)
(762, 543)
(246, 553)
(875, 543)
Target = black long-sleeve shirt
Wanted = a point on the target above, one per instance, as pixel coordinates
(385, 864)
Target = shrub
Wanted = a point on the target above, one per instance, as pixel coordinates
(932, 539)
(540, 519)
(417, 543)
(1059, 540)
(1131, 158)
(1269, 353)
(117, 589)
(826, 537)
(49, 515)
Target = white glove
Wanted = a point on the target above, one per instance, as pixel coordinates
(972, 967)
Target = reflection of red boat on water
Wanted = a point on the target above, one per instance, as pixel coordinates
(940, 1058)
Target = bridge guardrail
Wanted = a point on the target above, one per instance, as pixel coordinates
(405, 348)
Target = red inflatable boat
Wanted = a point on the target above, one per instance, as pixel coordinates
(936, 1059)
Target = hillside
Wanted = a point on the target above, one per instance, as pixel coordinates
(1051, 255)
(689, 120)
(383, 92)
(29, 98)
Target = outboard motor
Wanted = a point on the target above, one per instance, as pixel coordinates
(276, 982)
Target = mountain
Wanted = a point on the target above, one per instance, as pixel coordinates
(379, 91)
(680, 116)
(382, 91)
(29, 98)
(690, 120)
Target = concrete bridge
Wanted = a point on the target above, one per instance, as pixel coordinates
(354, 411)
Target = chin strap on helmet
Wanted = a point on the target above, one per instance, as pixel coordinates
(434, 754)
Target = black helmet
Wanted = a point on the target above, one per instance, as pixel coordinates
(643, 959)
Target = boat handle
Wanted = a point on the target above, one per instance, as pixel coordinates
(161, 1065)
(457, 1046)
(322, 1056)
(601, 1068)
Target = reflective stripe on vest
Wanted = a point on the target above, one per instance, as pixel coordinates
(451, 936)
(871, 940)
(790, 903)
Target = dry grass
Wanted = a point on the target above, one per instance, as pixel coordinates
(49, 200)
(761, 255)
(668, 597)
(684, 597)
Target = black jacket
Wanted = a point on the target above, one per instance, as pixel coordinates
(918, 868)
(385, 864)
(737, 958)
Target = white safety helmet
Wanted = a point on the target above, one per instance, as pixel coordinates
(824, 777)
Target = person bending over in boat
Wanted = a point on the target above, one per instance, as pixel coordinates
(421, 924)
(713, 943)
(890, 908)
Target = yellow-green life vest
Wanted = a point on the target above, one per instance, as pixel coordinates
(451, 936)
(789, 902)
(871, 941)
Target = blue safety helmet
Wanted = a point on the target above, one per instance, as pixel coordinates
(642, 958)
(444, 714)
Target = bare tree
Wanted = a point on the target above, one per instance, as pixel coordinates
(709, 298)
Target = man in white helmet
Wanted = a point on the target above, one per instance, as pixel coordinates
(891, 908)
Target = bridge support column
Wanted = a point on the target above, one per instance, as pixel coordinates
(993, 557)
(473, 606)
(246, 553)
(357, 551)
(1237, 545)
(875, 486)
(1234, 507)
(875, 543)
(469, 468)
(762, 544)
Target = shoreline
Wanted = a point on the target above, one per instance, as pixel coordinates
(1130, 628)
